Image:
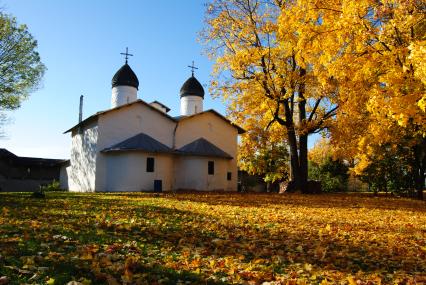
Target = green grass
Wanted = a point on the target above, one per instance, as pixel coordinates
(198, 238)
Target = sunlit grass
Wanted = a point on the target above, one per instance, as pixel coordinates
(211, 238)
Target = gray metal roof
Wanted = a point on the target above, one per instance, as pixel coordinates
(161, 104)
(174, 119)
(202, 147)
(140, 142)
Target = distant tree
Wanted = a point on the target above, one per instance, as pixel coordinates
(20, 67)
(271, 161)
(396, 168)
(323, 166)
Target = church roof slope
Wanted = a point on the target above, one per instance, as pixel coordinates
(95, 116)
(140, 142)
(202, 147)
(240, 130)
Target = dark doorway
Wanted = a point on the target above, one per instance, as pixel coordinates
(158, 186)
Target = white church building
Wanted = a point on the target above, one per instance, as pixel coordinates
(138, 146)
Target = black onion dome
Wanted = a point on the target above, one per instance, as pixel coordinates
(192, 87)
(125, 76)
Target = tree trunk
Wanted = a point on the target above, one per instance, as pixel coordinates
(303, 163)
(294, 158)
(421, 183)
(303, 137)
(298, 159)
(420, 167)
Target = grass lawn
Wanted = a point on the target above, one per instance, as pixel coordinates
(211, 239)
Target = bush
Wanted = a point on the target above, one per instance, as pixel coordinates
(333, 175)
(52, 187)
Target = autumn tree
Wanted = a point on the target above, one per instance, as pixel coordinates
(20, 65)
(262, 78)
(374, 51)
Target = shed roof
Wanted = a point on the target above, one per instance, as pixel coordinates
(29, 161)
(5, 153)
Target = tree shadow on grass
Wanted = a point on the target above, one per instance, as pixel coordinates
(108, 222)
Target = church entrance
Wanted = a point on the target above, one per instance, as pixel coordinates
(158, 186)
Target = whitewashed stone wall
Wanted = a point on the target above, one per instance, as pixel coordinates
(190, 105)
(122, 95)
(127, 172)
(219, 133)
(116, 126)
(82, 178)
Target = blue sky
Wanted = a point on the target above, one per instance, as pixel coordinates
(80, 43)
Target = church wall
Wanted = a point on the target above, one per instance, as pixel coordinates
(119, 125)
(216, 131)
(81, 178)
(192, 174)
(116, 126)
(127, 172)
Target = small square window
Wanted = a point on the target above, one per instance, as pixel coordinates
(149, 164)
(211, 167)
(229, 176)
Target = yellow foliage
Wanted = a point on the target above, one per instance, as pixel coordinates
(198, 238)
(376, 52)
(321, 151)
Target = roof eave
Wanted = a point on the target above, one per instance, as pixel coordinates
(239, 129)
(82, 123)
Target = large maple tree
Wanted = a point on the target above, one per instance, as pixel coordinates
(270, 92)
(292, 68)
(375, 51)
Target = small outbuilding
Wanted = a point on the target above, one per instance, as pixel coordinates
(23, 174)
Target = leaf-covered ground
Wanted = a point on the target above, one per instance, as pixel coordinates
(211, 239)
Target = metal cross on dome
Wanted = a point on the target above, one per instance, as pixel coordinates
(192, 68)
(126, 53)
